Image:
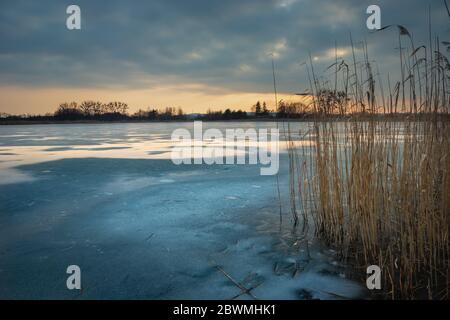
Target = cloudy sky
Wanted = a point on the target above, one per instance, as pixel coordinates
(194, 54)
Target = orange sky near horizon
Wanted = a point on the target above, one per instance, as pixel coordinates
(192, 99)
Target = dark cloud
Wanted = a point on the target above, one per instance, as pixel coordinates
(219, 43)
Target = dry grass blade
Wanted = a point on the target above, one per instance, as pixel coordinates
(243, 289)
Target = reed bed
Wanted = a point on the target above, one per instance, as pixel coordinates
(378, 189)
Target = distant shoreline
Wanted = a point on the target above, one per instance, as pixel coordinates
(306, 118)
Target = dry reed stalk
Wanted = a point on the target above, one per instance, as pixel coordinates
(379, 191)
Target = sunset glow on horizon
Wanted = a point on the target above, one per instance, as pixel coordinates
(35, 100)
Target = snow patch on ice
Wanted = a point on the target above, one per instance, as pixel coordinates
(10, 176)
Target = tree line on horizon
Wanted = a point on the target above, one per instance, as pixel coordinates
(117, 111)
(325, 102)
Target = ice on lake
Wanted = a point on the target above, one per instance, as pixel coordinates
(107, 197)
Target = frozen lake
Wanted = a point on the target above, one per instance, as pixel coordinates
(107, 197)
